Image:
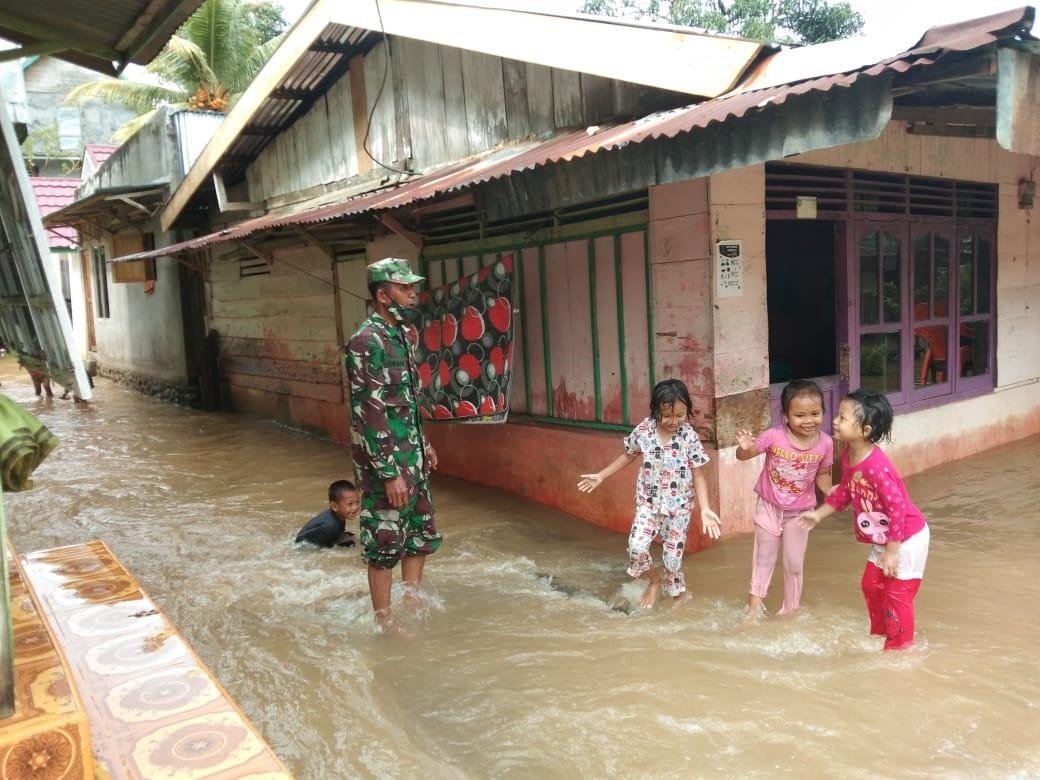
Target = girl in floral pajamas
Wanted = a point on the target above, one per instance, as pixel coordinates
(669, 478)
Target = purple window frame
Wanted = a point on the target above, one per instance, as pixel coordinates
(908, 397)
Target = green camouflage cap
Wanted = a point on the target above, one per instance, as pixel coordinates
(392, 269)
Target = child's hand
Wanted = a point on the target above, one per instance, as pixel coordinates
(589, 482)
(809, 520)
(745, 439)
(890, 562)
(711, 524)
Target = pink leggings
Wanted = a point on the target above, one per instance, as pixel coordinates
(793, 539)
(890, 604)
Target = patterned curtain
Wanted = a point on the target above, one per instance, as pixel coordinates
(465, 346)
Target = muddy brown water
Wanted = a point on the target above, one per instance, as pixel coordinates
(521, 668)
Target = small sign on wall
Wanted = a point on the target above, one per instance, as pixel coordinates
(729, 268)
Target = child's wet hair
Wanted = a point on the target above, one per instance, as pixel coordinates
(873, 409)
(667, 393)
(798, 388)
(339, 487)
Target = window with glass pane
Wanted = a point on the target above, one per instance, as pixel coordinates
(892, 277)
(879, 362)
(974, 332)
(966, 280)
(869, 267)
(931, 259)
(974, 348)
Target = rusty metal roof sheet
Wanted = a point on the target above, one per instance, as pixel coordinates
(791, 66)
(104, 35)
(576, 144)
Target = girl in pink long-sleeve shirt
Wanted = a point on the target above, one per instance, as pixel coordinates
(886, 518)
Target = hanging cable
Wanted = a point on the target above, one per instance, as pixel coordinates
(379, 94)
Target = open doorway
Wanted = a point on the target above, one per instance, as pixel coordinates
(801, 293)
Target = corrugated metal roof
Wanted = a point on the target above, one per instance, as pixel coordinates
(790, 66)
(576, 144)
(104, 35)
(53, 194)
(666, 58)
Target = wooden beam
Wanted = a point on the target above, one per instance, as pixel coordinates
(951, 131)
(226, 205)
(458, 202)
(70, 39)
(359, 109)
(979, 66)
(413, 238)
(33, 50)
(263, 254)
(952, 115)
(298, 41)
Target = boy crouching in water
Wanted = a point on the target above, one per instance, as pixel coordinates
(330, 527)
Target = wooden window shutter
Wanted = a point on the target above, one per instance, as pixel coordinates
(134, 270)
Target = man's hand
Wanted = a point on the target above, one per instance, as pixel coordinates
(397, 492)
(431, 455)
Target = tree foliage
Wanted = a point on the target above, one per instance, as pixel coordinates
(777, 21)
(205, 66)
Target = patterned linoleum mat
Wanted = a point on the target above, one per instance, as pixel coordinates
(153, 707)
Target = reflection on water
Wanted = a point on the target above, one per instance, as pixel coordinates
(527, 664)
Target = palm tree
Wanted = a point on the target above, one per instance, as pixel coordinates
(205, 66)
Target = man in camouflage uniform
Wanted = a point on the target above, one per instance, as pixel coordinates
(392, 458)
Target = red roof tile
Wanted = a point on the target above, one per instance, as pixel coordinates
(53, 194)
(99, 153)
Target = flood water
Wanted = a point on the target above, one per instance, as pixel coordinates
(522, 669)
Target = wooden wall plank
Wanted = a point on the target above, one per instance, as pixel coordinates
(456, 123)
(597, 98)
(380, 106)
(514, 78)
(421, 63)
(531, 319)
(402, 112)
(485, 100)
(540, 99)
(566, 98)
(607, 329)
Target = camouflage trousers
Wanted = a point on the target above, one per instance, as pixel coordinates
(388, 534)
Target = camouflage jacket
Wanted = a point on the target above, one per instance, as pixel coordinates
(387, 440)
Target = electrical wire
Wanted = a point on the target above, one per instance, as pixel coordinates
(379, 94)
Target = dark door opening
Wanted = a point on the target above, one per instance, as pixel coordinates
(801, 293)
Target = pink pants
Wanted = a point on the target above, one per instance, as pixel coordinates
(890, 604)
(792, 539)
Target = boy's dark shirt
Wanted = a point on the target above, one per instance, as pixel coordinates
(326, 530)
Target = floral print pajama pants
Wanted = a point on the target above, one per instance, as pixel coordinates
(672, 530)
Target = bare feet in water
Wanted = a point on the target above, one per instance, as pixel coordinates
(649, 597)
(412, 599)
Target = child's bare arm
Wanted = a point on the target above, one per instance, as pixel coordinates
(810, 519)
(824, 482)
(590, 482)
(710, 522)
(747, 447)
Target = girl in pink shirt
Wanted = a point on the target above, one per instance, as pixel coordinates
(886, 519)
(798, 461)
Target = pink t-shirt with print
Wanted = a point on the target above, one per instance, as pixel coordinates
(879, 499)
(788, 478)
